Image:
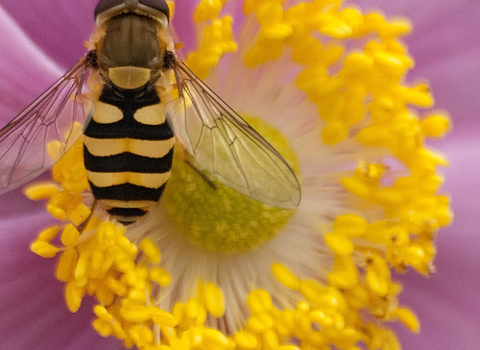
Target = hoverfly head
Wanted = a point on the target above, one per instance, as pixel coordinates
(156, 9)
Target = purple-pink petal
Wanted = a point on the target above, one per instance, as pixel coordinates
(446, 47)
(33, 314)
(25, 73)
(59, 27)
(26, 70)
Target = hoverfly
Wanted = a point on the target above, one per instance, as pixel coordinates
(131, 122)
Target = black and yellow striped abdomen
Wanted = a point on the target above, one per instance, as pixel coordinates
(128, 150)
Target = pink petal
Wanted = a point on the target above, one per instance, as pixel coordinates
(32, 308)
(25, 70)
(58, 27)
(25, 73)
(182, 22)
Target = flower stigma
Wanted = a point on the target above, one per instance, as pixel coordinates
(218, 218)
(209, 268)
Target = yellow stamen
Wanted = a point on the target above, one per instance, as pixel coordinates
(160, 276)
(245, 340)
(217, 39)
(102, 313)
(408, 318)
(44, 249)
(40, 191)
(339, 244)
(436, 125)
(344, 273)
(213, 339)
(378, 275)
(286, 277)
(259, 302)
(208, 10)
(74, 295)
(151, 250)
(214, 300)
(70, 236)
(350, 225)
(66, 265)
(48, 234)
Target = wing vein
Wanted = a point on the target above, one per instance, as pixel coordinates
(51, 117)
(226, 146)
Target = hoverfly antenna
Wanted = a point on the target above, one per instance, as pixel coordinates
(158, 9)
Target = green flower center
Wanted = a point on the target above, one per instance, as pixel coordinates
(218, 218)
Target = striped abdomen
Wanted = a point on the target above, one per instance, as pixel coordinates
(128, 151)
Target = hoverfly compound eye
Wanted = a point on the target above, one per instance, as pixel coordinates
(157, 9)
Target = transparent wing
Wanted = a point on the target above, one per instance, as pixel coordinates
(50, 118)
(226, 146)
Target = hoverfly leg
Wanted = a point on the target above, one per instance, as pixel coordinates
(202, 175)
(85, 223)
(169, 60)
(92, 59)
(188, 160)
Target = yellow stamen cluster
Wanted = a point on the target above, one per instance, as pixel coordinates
(100, 261)
(328, 316)
(65, 202)
(356, 85)
(217, 37)
(103, 263)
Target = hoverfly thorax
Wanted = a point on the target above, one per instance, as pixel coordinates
(130, 40)
(134, 43)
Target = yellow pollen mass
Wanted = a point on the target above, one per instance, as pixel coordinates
(218, 218)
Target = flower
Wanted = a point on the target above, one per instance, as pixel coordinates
(256, 110)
